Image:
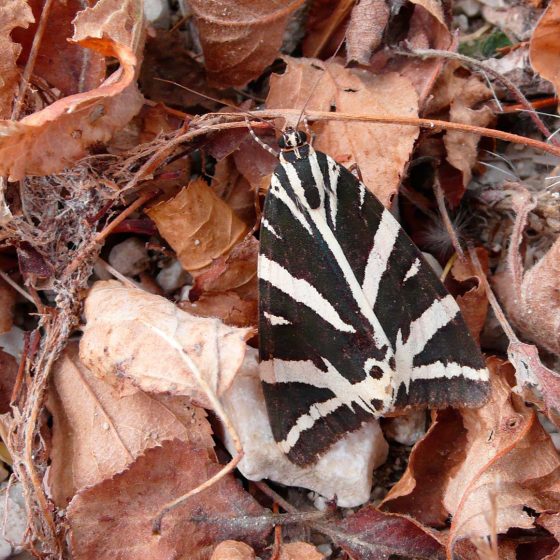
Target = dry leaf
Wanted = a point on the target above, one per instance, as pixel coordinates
(227, 306)
(473, 303)
(62, 63)
(433, 7)
(365, 29)
(8, 374)
(381, 151)
(461, 94)
(233, 550)
(240, 40)
(485, 475)
(300, 551)
(58, 135)
(543, 48)
(198, 225)
(237, 272)
(13, 14)
(370, 534)
(113, 519)
(98, 431)
(7, 303)
(159, 348)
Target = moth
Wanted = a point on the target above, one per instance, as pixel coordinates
(353, 322)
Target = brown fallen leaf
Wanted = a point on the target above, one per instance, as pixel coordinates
(98, 431)
(370, 534)
(198, 225)
(354, 91)
(159, 348)
(473, 303)
(62, 63)
(365, 29)
(543, 47)
(487, 473)
(227, 306)
(239, 41)
(7, 303)
(113, 519)
(13, 14)
(237, 272)
(233, 550)
(300, 551)
(58, 135)
(8, 374)
(460, 95)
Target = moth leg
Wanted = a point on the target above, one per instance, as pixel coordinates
(259, 141)
(356, 171)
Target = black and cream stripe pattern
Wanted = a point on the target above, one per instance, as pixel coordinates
(353, 321)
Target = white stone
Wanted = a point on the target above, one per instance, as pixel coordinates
(172, 277)
(407, 429)
(15, 520)
(129, 257)
(157, 13)
(344, 472)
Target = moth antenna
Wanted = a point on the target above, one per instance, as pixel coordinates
(318, 80)
(308, 130)
(259, 141)
(221, 102)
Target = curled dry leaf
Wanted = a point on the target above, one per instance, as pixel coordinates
(13, 14)
(237, 272)
(370, 534)
(227, 306)
(486, 467)
(358, 92)
(72, 124)
(113, 519)
(461, 94)
(543, 48)
(233, 550)
(63, 64)
(473, 302)
(198, 225)
(365, 29)
(98, 430)
(159, 348)
(7, 303)
(240, 40)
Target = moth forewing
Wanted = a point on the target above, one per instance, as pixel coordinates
(354, 323)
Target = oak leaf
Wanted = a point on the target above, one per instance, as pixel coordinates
(113, 519)
(159, 348)
(198, 225)
(98, 430)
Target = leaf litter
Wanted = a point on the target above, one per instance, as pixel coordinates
(112, 392)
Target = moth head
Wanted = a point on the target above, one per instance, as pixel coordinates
(292, 138)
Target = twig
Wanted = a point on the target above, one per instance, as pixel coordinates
(31, 59)
(446, 220)
(16, 287)
(481, 66)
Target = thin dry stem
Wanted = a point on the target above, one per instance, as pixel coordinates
(447, 221)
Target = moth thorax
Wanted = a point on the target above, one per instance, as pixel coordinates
(292, 139)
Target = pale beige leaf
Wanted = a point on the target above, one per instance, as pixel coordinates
(434, 7)
(98, 431)
(13, 13)
(198, 225)
(300, 551)
(58, 135)
(240, 39)
(233, 550)
(159, 348)
(381, 151)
